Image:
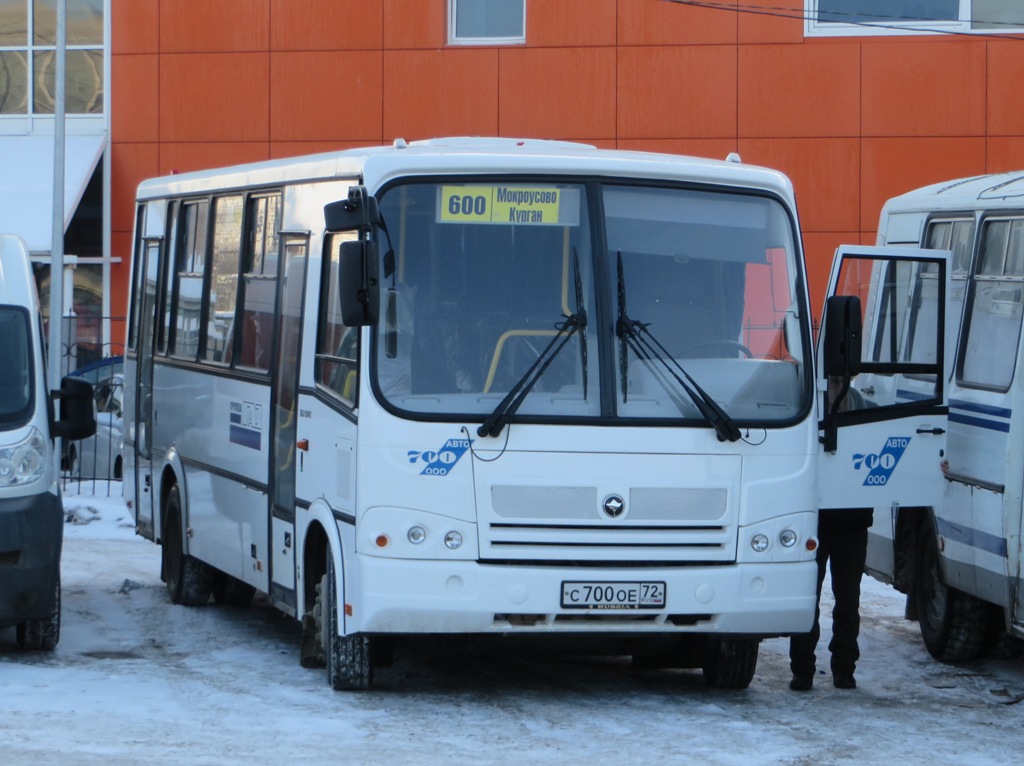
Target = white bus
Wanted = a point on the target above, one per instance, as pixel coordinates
(960, 561)
(491, 387)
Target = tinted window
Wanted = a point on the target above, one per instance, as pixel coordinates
(16, 372)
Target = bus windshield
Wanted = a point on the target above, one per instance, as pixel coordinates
(567, 300)
(16, 372)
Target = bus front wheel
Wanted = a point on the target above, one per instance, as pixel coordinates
(729, 663)
(348, 659)
(189, 581)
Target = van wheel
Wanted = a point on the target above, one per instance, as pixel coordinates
(954, 624)
(729, 663)
(189, 581)
(348, 659)
(118, 469)
(41, 635)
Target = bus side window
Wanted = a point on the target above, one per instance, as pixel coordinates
(223, 282)
(190, 264)
(992, 331)
(259, 275)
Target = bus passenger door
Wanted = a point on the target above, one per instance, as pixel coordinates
(883, 427)
(144, 481)
(284, 406)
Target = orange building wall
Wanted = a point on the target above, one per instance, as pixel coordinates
(852, 121)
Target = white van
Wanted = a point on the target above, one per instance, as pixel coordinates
(31, 516)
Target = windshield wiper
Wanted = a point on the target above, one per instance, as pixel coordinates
(635, 335)
(503, 413)
(582, 313)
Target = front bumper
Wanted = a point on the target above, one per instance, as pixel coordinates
(413, 597)
(31, 539)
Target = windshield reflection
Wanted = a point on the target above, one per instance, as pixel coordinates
(479, 279)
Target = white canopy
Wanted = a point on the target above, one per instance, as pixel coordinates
(26, 183)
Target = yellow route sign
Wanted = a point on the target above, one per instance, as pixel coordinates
(500, 204)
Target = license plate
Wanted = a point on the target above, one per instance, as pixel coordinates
(613, 595)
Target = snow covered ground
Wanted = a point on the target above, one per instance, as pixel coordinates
(136, 680)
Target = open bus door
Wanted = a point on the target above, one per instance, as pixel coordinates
(143, 416)
(882, 370)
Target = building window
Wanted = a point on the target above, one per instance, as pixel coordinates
(28, 57)
(486, 22)
(868, 17)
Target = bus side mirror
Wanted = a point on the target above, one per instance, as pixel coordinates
(359, 211)
(359, 283)
(77, 416)
(842, 336)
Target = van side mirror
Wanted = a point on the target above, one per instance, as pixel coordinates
(359, 283)
(77, 416)
(843, 329)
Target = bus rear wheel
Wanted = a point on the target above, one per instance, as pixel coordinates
(189, 581)
(230, 591)
(729, 663)
(954, 625)
(348, 659)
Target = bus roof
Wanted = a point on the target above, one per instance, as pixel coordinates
(996, 190)
(378, 165)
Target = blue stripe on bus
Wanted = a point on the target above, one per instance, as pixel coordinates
(972, 537)
(913, 396)
(992, 425)
(982, 409)
(246, 437)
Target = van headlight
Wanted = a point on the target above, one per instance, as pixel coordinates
(24, 462)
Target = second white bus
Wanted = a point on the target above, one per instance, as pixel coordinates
(960, 560)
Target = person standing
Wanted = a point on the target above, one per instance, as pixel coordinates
(842, 548)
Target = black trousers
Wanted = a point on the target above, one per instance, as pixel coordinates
(842, 547)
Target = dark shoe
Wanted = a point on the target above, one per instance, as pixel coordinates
(844, 681)
(801, 683)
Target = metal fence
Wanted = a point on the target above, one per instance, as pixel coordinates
(95, 465)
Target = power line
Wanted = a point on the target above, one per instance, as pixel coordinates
(789, 13)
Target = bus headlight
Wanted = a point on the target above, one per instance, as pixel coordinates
(408, 533)
(24, 462)
(787, 538)
(759, 543)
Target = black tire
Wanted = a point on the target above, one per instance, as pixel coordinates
(118, 469)
(729, 663)
(230, 591)
(44, 634)
(348, 659)
(1000, 645)
(189, 581)
(954, 625)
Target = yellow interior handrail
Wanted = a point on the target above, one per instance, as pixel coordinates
(501, 342)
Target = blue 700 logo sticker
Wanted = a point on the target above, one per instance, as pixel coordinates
(442, 461)
(881, 465)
